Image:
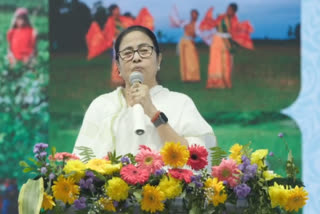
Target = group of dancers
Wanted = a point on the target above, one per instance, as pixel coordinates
(222, 34)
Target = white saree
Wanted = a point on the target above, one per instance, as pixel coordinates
(108, 126)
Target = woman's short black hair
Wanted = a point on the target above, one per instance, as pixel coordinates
(234, 7)
(112, 7)
(139, 28)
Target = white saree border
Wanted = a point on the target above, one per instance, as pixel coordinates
(306, 109)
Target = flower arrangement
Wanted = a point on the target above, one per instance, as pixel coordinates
(154, 182)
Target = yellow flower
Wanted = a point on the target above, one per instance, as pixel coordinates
(278, 195)
(117, 189)
(269, 175)
(175, 154)
(98, 165)
(47, 202)
(236, 152)
(65, 190)
(152, 198)
(107, 204)
(215, 191)
(258, 156)
(77, 167)
(112, 168)
(171, 187)
(297, 198)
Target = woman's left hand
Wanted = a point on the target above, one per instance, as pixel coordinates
(139, 94)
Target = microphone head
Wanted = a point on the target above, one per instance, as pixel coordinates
(136, 77)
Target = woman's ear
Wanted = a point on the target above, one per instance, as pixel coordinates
(118, 67)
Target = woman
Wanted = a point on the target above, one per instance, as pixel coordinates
(229, 31)
(21, 38)
(108, 123)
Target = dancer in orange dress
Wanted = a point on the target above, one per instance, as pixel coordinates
(22, 38)
(229, 32)
(189, 59)
(98, 41)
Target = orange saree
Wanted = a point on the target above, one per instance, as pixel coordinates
(189, 61)
(221, 60)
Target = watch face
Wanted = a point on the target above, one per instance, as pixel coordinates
(163, 117)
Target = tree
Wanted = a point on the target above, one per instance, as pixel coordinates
(100, 13)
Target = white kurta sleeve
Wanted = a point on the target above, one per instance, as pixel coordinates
(194, 128)
(90, 127)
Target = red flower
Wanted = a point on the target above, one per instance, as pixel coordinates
(198, 157)
(133, 175)
(181, 174)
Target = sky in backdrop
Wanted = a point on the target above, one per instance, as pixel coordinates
(270, 18)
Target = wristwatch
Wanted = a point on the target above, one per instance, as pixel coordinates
(159, 119)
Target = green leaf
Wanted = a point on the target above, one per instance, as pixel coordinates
(217, 154)
(247, 151)
(28, 169)
(53, 151)
(37, 163)
(86, 153)
(137, 195)
(23, 164)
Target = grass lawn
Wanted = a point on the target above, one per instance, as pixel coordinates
(267, 79)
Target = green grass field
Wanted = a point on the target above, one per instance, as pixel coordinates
(266, 80)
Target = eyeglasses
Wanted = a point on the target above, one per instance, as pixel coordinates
(143, 51)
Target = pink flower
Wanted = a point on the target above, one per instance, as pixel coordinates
(63, 156)
(106, 157)
(149, 159)
(198, 157)
(133, 175)
(227, 171)
(181, 174)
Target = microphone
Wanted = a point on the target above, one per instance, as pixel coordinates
(138, 112)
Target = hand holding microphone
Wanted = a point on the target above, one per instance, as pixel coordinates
(136, 78)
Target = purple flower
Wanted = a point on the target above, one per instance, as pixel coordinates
(125, 160)
(115, 203)
(198, 184)
(90, 174)
(159, 172)
(43, 170)
(36, 150)
(280, 135)
(271, 154)
(249, 172)
(242, 190)
(245, 160)
(43, 154)
(51, 176)
(247, 169)
(87, 184)
(80, 203)
(41, 146)
(196, 179)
